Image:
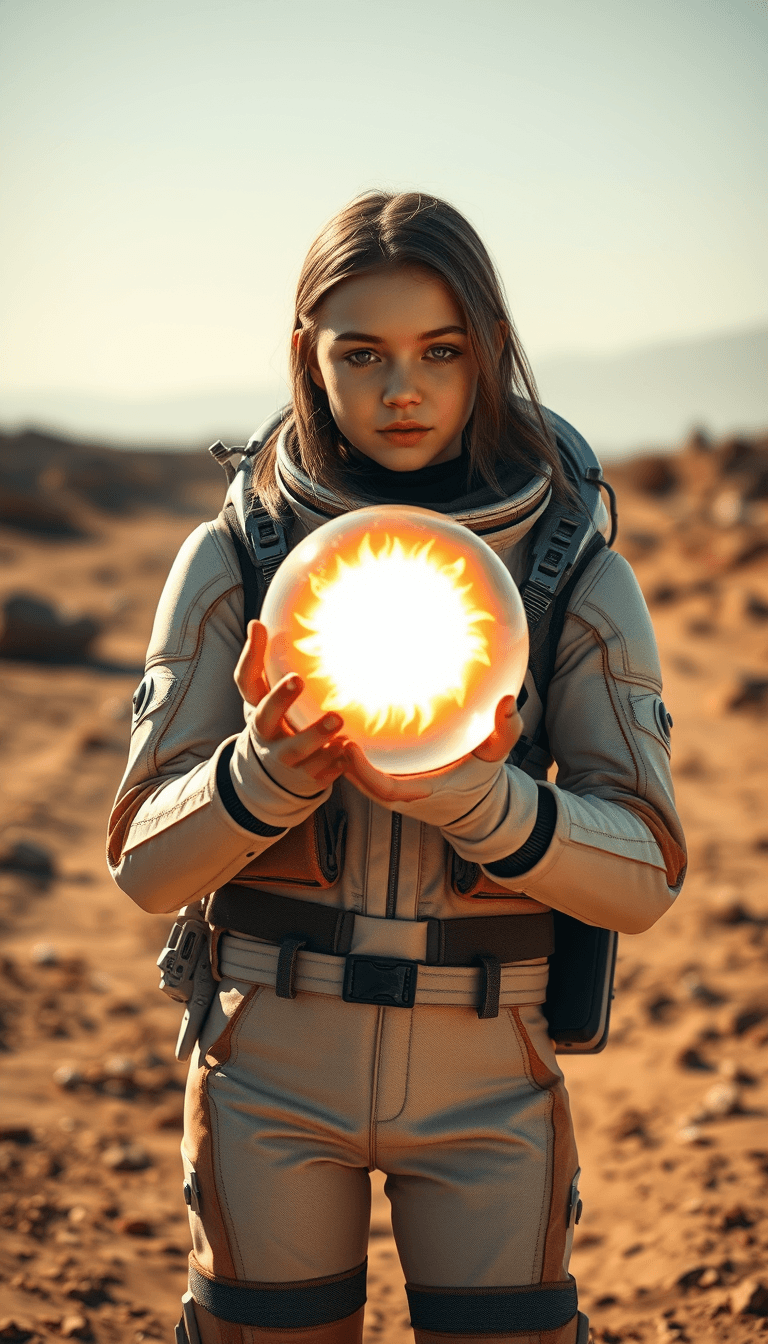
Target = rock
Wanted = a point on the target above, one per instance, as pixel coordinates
(750, 694)
(721, 1100)
(135, 1227)
(126, 1157)
(16, 1134)
(75, 1327)
(652, 474)
(750, 1298)
(13, 1328)
(24, 856)
(751, 1016)
(692, 1133)
(630, 1124)
(45, 954)
(32, 513)
(691, 1058)
(67, 1077)
(31, 628)
(736, 1216)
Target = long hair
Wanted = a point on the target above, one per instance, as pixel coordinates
(383, 229)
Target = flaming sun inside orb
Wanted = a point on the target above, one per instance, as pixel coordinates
(406, 624)
(394, 634)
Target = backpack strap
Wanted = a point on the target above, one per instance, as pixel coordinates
(546, 618)
(259, 554)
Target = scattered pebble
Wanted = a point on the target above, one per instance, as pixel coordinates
(25, 856)
(75, 1327)
(721, 1100)
(15, 1328)
(126, 1157)
(135, 1227)
(16, 1134)
(736, 1216)
(67, 1077)
(750, 1298)
(692, 1134)
(45, 954)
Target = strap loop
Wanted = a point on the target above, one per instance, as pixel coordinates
(489, 1002)
(285, 975)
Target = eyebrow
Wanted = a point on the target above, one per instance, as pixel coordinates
(379, 340)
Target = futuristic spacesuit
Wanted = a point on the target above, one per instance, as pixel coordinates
(300, 1085)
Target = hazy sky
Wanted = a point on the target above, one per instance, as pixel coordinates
(167, 162)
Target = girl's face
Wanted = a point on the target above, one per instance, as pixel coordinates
(393, 355)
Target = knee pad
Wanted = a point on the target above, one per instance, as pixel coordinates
(542, 1313)
(215, 1307)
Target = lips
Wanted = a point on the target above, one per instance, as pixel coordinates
(404, 432)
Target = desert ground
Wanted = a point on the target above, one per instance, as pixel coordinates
(672, 1118)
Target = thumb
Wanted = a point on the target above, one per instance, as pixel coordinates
(249, 673)
(508, 728)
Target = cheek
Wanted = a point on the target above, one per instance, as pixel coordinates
(461, 391)
(345, 391)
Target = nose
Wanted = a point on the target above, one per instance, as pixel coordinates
(401, 389)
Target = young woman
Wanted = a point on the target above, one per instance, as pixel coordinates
(409, 385)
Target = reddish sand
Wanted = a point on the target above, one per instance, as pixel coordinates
(672, 1119)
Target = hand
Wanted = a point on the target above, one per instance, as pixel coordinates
(316, 752)
(392, 791)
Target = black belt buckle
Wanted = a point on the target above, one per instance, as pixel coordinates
(382, 980)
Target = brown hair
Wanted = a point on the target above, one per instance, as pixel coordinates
(409, 229)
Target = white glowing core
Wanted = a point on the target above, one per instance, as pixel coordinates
(394, 633)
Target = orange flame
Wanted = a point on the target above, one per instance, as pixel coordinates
(397, 623)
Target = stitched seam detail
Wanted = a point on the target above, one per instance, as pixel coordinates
(376, 1067)
(194, 659)
(593, 572)
(228, 1036)
(217, 538)
(596, 830)
(221, 1189)
(607, 681)
(529, 1050)
(169, 811)
(387, 1119)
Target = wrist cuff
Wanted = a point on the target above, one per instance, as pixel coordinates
(535, 846)
(229, 797)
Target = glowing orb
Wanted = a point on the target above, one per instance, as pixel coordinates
(404, 623)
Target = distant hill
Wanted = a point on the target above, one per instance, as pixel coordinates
(179, 422)
(648, 397)
(652, 397)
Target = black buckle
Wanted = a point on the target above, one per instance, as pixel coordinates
(380, 980)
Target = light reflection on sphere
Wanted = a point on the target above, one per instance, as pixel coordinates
(406, 624)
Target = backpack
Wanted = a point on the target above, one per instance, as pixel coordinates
(564, 542)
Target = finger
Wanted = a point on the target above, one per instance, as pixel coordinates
(249, 673)
(275, 705)
(326, 765)
(375, 784)
(304, 746)
(508, 728)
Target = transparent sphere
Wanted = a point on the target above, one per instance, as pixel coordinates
(404, 623)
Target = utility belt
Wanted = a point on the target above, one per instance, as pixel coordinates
(478, 960)
(391, 962)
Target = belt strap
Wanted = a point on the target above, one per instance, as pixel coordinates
(326, 929)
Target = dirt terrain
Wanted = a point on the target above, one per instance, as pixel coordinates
(672, 1118)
